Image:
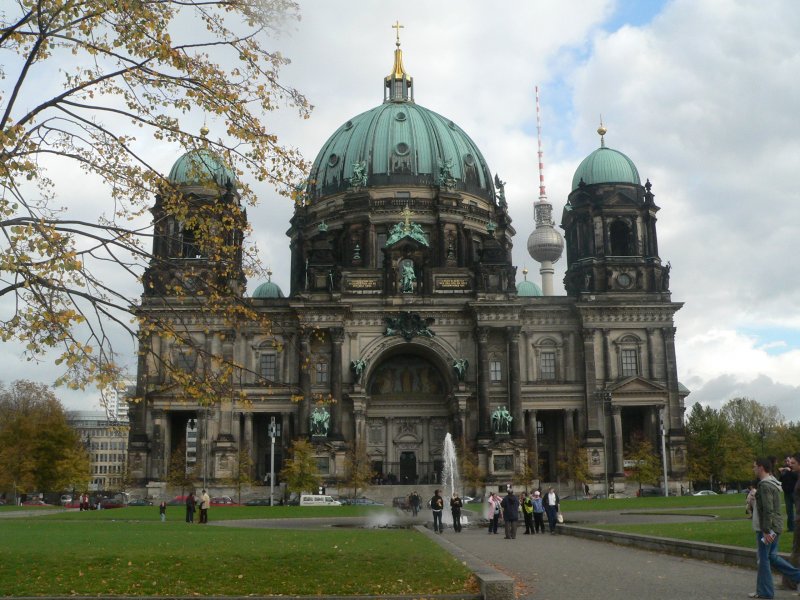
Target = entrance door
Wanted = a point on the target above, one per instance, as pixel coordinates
(408, 468)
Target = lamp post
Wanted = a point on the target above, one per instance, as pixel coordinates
(604, 397)
(662, 413)
(274, 431)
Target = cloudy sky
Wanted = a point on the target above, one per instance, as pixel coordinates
(701, 94)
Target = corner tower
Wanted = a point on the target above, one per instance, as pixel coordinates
(610, 227)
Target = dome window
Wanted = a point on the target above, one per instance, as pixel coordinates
(402, 148)
(332, 160)
(348, 125)
(469, 160)
(401, 116)
(451, 125)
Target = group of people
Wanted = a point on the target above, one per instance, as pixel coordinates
(533, 508)
(193, 502)
(764, 506)
(437, 508)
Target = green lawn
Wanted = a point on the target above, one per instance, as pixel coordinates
(219, 513)
(88, 554)
(729, 527)
(655, 502)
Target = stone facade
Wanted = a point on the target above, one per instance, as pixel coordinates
(403, 323)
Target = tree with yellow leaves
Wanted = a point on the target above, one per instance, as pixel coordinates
(39, 451)
(90, 86)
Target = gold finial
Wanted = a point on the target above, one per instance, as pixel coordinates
(398, 27)
(203, 131)
(525, 273)
(406, 212)
(601, 131)
(269, 273)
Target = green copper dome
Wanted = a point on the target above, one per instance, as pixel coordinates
(268, 289)
(606, 165)
(199, 167)
(528, 288)
(400, 143)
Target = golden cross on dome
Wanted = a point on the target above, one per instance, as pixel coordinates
(398, 27)
(406, 212)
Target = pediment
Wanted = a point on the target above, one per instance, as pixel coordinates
(636, 385)
(620, 199)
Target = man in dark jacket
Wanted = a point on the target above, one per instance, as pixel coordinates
(437, 505)
(510, 506)
(455, 508)
(768, 525)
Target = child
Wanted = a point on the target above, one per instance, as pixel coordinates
(162, 510)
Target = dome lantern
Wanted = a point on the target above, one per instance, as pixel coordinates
(398, 82)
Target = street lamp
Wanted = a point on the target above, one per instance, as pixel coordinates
(662, 413)
(274, 431)
(604, 397)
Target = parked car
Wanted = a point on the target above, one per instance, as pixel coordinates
(401, 502)
(259, 502)
(35, 502)
(360, 501)
(705, 493)
(107, 503)
(177, 500)
(223, 501)
(140, 502)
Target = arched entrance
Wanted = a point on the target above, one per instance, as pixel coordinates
(407, 418)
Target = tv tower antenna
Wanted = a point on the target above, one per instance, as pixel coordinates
(545, 244)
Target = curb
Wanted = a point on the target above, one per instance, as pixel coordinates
(494, 584)
(731, 555)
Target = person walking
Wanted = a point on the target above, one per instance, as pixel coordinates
(191, 503)
(551, 502)
(527, 512)
(493, 512)
(538, 512)
(510, 506)
(768, 525)
(794, 558)
(437, 506)
(455, 508)
(162, 511)
(414, 500)
(788, 479)
(205, 502)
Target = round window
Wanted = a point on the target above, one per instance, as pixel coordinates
(332, 160)
(401, 116)
(402, 148)
(348, 125)
(469, 160)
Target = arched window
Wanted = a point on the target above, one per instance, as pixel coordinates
(621, 239)
(629, 362)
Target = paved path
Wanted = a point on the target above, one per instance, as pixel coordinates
(551, 567)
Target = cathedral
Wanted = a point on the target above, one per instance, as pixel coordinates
(405, 320)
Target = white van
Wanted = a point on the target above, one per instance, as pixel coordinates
(312, 500)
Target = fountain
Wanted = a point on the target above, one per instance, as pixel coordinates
(450, 480)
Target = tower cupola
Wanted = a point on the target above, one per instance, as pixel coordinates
(398, 84)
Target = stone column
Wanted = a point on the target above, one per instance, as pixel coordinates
(569, 425)
(514, 391)
(616, 417)
(606, 355)
(304, 376)
(651, 371)
(483, 381)
(592, 413)
(159, 453)
(248, 441)
(533, 433)
(337, 339)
